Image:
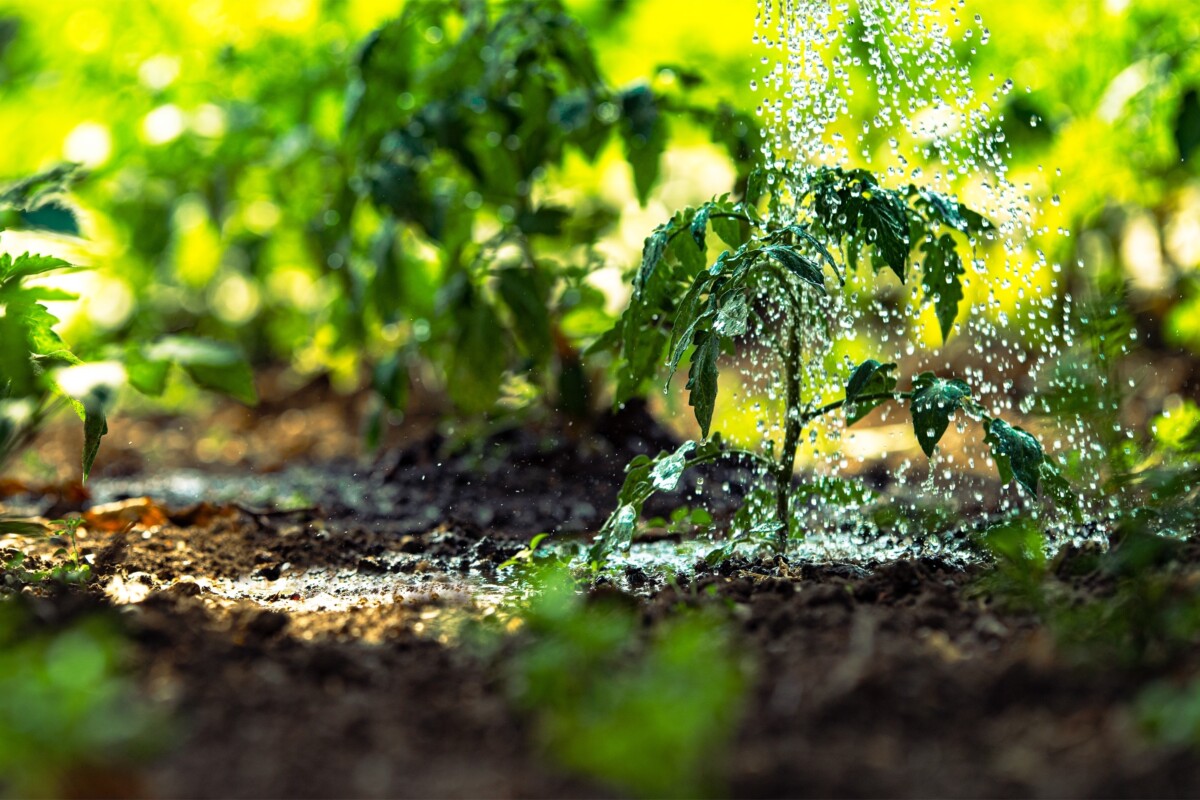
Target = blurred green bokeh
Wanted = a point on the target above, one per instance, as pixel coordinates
(214, 133)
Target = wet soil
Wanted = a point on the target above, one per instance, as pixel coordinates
(312, 651)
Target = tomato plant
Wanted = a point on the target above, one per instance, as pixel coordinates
(684, 307)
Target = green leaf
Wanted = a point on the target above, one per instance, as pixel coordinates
(26, 266)
(211, 364)
(693, 309)
(699, 226)
(148, 377)
(51, 217)
(18, 378)
(31, 193)
(833, 491)
(868, 378)
(1187, 125)
(702, 379)
(20, 527)
(390, 380)
(95, 427)
(884, 221)
(802, 267)
(1055, 485)
(235, 380)
(728, 230)
(652, 252)
(941, 278)
(803, 233)
(645, 137)
(692, 259)
(934, 401)
(526, 292)
(733, 317)
(39, 328)
(942, 208)
(1016, 453)
(756, 186)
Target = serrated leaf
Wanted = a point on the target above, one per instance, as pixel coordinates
(941, 278)
(692, 312)
(803, 233)
(799, 265)
(943, 209)
(685, 251)
(652, 252)
(733, 317)
(884, 225)
(1016, 452)
(934, 401)
(869, 378)
(702, 379)
(39, 328)
(728, 230)
(27, 265)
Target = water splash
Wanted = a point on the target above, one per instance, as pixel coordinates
(886, 85)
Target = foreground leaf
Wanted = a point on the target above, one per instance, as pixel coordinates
(869, 378)
(801, 266)
(934, 401)
(942, 280)
(702, 380)
(1016, 452)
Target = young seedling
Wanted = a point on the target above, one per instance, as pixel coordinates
(687, 308)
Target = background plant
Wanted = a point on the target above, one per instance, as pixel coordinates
(68, 717)
(645, 713)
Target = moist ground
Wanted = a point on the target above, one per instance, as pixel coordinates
(897, 679)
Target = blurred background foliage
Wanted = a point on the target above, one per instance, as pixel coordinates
(243, 171)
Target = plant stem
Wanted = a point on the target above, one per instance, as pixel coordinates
(809, 416)
(793, 423)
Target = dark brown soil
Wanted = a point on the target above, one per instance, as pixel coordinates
(899, 679)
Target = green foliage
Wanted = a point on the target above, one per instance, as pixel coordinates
(488, 108)
(65, 707)
(38, 371)
(680, 305)
(30, 350)
(1132, 606)
(1170, 712)
(934, 401)
(646, 713)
